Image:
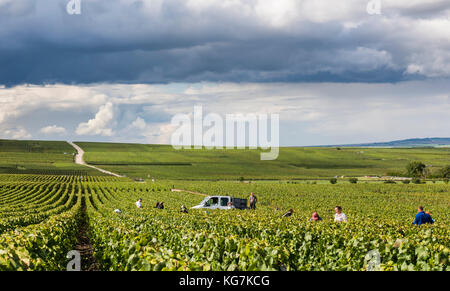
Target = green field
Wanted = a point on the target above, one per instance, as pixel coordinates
(39, 157)
(49, 205)
(163, 162)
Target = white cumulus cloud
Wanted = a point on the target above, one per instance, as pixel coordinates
(139, 123)
(310, 113)
(53, 129)
(101, 124)
(16, 133)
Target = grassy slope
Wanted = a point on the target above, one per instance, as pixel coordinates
(135, 160)
(55, 157)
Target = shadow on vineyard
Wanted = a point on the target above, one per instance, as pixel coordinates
(83, 245)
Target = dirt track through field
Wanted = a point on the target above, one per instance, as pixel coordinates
(191, 192)
(79, 160)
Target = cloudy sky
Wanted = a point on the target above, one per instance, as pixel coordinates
(121, 69)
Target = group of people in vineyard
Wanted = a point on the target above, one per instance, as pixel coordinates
(421, 217)
(339, 216)
(159, 205)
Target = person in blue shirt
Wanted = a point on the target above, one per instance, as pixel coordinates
(422, 217)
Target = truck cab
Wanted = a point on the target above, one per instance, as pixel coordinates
(215, 202)
(221, 202)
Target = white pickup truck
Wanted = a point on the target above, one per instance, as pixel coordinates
(222, 202)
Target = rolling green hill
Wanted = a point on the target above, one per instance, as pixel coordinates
(405, 143)
(163, 162)
(39, 157)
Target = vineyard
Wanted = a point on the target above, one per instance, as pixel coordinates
(40, 218)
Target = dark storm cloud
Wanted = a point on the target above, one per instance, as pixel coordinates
(236, 41)
(423, 9)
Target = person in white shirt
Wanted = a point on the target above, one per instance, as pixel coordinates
(139, 203)
(339, 216)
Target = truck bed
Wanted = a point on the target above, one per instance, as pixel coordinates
(239, 203)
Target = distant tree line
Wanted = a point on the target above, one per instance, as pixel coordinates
(417, 169)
